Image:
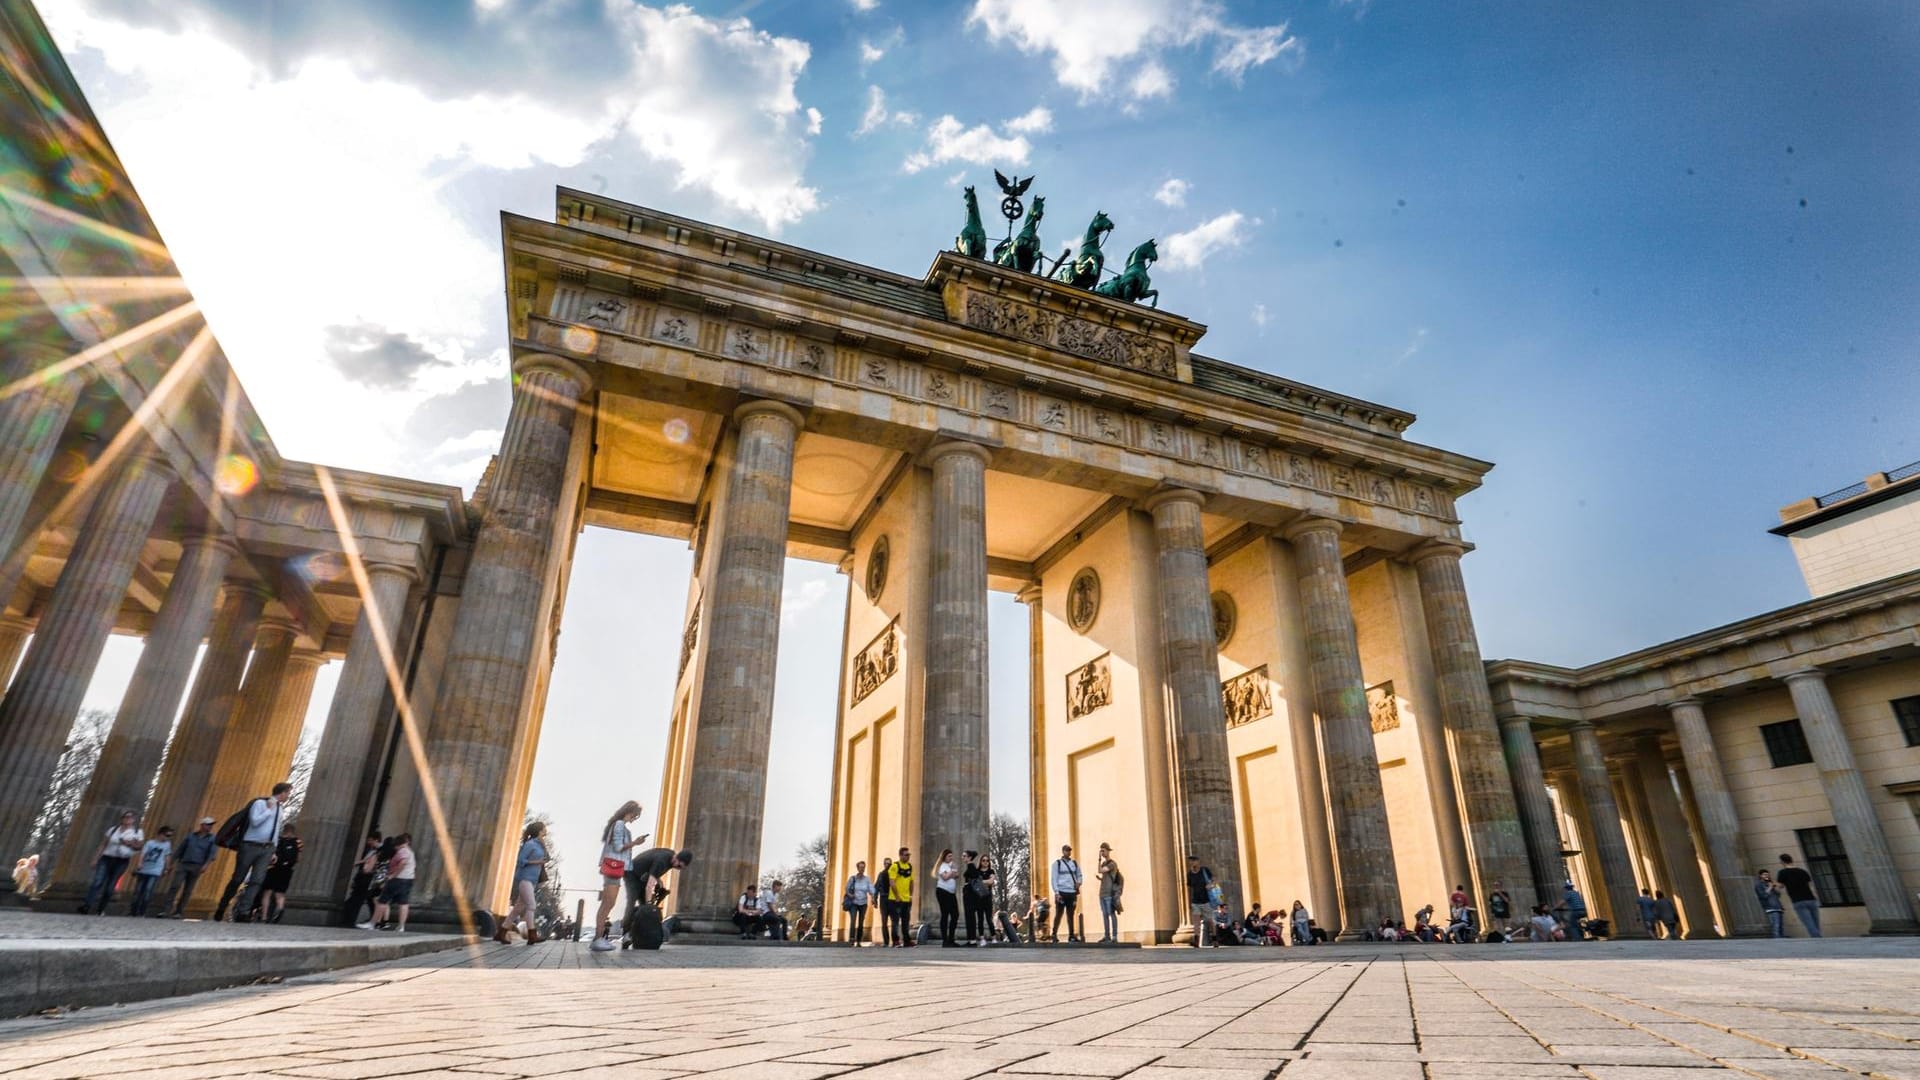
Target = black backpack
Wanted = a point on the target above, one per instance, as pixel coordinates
(230, 831)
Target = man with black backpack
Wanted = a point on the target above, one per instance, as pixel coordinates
(252, 834)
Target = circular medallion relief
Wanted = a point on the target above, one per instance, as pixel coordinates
(877, 560)
(1225, 616)
(1083, 599)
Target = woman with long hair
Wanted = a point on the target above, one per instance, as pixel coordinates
(616, 852)
(946, 890)
(983, 885)
(527, 871)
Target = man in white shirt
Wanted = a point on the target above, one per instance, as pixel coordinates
(1066, 892)
(257, 842)
(770, 916)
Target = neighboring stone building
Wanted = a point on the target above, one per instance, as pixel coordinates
(1689, 765)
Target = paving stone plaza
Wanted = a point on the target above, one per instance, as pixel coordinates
(1618, 1011)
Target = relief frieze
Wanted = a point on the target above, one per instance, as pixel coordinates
(1247, 697)
(1107, 344)
(876, 663)
(1089, 687)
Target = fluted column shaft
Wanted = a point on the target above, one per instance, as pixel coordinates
(735, 720)
(138, 739)
(31, 420)
(1888, 907)
(1362, 844)
(188, 764)
(477, 720)
(329, 815)
(1486, 790)
(953, 761)
(1037, 843)
(1203, 818)
(38, 711)
(1605, 835)
(1537, 822)
(238, 764)
(1675, 840)
(289, 718)
(1719, 821)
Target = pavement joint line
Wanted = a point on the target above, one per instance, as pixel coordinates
(1794, 1051)
(1363, 967)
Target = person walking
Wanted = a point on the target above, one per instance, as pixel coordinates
(982, 886)
(190, 860)
(154, 855)
(396, 896)
(259, 838)
(122, 842)
(529, 866)
(616, 853)
(1200, 889)
(286, 856)
(1667, 914)
(1649, 917)
(360, 891)
(1066, 893)
(855, 900)
(1799, 886)
(946, 885)
(883, 900)
(1768, 892)
(1112, 883)
(899, 886)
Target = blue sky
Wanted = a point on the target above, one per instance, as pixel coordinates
(1654, 260)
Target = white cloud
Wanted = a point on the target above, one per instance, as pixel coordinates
(1035, 121)
(874, 49)
(1260, 316)
(877, 116)
(950, 140)
(1173, 193)
(797, 597)
(1190, 250)
(1414, 344)
(864, 5)
(1092, 41)
(870, 53)
(813, 121)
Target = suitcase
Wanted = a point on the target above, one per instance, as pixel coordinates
(646, 933)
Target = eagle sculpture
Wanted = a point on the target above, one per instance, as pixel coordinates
(1015, 187)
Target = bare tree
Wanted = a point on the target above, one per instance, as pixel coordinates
(804, 882)
(70, 778)
(302, 771)
(1011, 847)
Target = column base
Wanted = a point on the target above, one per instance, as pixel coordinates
(1893, 928)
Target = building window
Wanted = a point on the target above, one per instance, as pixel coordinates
(1786, 743)
(1907, 711)
(1827, 862)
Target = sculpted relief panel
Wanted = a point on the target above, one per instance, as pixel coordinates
(877, 662)
(1107, 344)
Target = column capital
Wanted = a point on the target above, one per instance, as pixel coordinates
(19, 623)
(307, 657)
(1309, 523)
(1688, 702)
(1517, 721)
(758, 406)
(248, 585)
(1581, 725)
(1028, 595)
(1806, 674)
(1436, 547)
(845, 565)
(1171, 495)
(209, 539)
(531, 363)
(401, 570)
(946, 447)
(277, 624)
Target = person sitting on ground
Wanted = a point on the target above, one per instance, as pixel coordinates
(1320, 936)
(1544, 927)
(746, 912)
(771, 918)
(26, 875)
(1386, 932)
(1037, 918)
(1460, 924)
(1423, 924)
(1010, 926)
(1223, 931)
(1302, 924)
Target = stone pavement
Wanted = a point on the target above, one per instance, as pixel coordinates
(1625, 1011)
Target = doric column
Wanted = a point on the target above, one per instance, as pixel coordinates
(490, 659)
(1670, 832)
(1888, 906)
(953, 759)
(289, 718)
(1719, 821)
(1537, 822)
(329, 815)
(1567, 783)
(138, 739)
(1203, 818)
(1498, 845)
(1608, 840)
(729, 773)
(1362, 845)
(39, 708)
(1037, 844)
(202, 727)
(242, 759)
(13, 641)
(31, 420)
